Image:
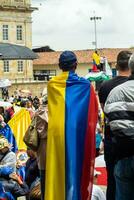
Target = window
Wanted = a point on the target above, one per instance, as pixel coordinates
(20, 66)
(5, 32)
(19, 32)
(6, 66)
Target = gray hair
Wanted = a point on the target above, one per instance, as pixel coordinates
(131, 63)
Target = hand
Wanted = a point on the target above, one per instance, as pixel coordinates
(15, 177)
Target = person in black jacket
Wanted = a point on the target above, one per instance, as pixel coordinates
(32, 171)
(119, 111)
(106, 87)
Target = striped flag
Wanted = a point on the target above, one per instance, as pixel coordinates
(15, 130)
(73, 112)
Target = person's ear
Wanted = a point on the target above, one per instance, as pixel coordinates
(60, 66)
(117, 67)
(76, 65)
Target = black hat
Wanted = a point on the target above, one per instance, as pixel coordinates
(67, 57)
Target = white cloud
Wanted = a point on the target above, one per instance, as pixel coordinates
(65, 24)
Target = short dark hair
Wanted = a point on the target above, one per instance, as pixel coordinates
(122, 60)
(67, 67)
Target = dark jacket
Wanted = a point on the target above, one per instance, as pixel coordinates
(32, 171)
(119, 109)
(14, 188)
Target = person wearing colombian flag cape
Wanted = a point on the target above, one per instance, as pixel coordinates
(73, 111)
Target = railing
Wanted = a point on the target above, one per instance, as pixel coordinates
(14, 3)
(26, 80)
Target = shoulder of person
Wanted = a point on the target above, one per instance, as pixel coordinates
(106, 84)
(42, 114)
(40, 111)
(115, 92)
(11, 153)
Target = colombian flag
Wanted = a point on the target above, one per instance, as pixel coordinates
(19, 125)
(96, 61)
(15, 130)
(73, 112)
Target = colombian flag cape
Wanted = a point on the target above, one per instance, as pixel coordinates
(73, 111)
(16, 128)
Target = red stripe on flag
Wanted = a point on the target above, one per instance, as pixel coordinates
(89, 152)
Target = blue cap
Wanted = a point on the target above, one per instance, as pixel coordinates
(67, 57)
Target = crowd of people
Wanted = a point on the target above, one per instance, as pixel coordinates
(23, 179)
(83, 124)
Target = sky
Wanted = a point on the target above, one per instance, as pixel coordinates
(66, 24)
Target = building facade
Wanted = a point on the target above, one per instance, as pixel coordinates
(46, 65)
(16, 28)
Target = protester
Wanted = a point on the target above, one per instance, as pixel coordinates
(15, 186)
(9, 180)
(36, 102)
(30, 98)
(11, 99)
(21, 159)
(32, 172)
(7, 157)
(15, 100)
(119, 109)
(30, 108)
(102, 63)
(96, 61)
(98, 139)
(107, 86)
(9, 113)
(41, 127)
(2, 123)
(2, 112)
(5, 93)
(23, 104)
(73, 112)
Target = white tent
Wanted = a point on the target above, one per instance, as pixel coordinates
(5, 83)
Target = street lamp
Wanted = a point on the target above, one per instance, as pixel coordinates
(95, 18)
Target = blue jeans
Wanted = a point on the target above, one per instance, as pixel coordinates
(124, 177)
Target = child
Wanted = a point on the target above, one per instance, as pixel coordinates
(98, 139)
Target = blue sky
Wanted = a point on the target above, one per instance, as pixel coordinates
(66, 24)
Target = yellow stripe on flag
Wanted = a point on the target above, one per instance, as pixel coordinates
(19, 124)
(55, 167)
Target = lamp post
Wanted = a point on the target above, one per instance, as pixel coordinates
(95, 31)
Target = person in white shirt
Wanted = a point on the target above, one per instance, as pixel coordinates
(97, 192)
